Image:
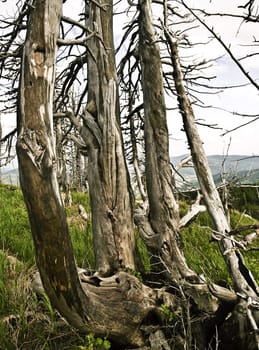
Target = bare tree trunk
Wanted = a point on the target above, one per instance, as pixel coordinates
(211, 196)
(61, 162)
(113, 232)
(136, 161)
(242, 326)
(163, 209)
(38, 163)
(78, 169)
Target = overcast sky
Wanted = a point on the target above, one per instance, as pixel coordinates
(242, 100)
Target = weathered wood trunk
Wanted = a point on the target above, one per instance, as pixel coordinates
(242, 282)
(61, 162)
(113, 231)
(38, 163)
(163, 209)
(242, 326)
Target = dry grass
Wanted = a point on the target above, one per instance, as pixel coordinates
(28, 321)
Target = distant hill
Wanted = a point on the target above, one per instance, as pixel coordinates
(238, 168)
(10, 176)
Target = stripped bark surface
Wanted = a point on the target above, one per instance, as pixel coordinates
(163, 208)
(114, 241)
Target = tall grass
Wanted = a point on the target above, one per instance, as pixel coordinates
(81, 231)
(14, 225)
(203, 255)
(15, 234)
(27, 322)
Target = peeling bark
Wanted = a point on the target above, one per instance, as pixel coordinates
(38, 163)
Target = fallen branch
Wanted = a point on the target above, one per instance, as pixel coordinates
(194, 210)
(82, 212)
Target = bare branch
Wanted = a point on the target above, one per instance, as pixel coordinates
(66, 42)
(240, 126)
(227, 48)
(193, 212)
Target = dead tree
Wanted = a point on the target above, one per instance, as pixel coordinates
(113, 303)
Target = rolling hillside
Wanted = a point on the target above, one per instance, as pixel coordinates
(238, 168)
(10, 176)
(235, 168)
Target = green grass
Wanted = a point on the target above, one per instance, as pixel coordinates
(14, 225)
(81, 231)
(27, 322)
(202, 253)
(15, 234)
(251, 253)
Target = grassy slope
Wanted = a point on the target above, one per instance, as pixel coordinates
(29, 323)
(203, 255)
